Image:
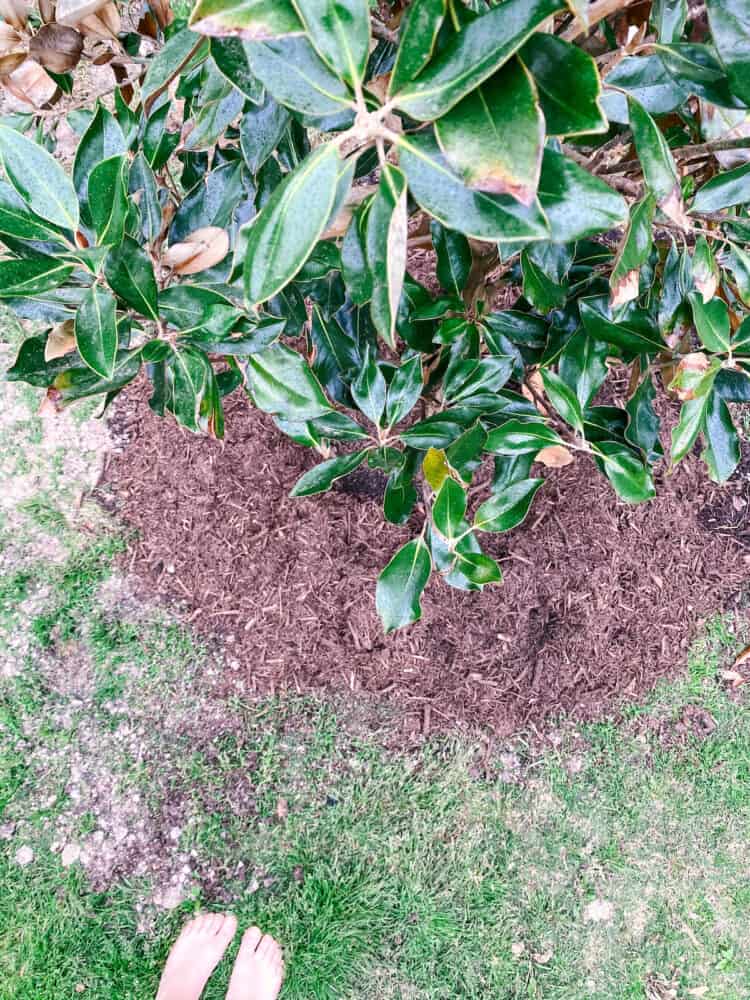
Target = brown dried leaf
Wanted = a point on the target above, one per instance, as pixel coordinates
(674, 208)
(61, 341)
(10, 62)
(162, 11)
(14, 12)
(104, 24)
(743, 657)
(57, 47)
(74, 11)
(31, 85)
(734, 678)
(555, 456)
(46, 10)
(200, 250)
(626, 289)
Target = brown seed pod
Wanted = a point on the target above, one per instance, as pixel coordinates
(56, 47)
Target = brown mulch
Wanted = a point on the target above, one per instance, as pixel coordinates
(599, 598)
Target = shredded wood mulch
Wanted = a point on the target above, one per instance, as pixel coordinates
(599, 598)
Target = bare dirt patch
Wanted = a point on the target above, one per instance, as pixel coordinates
(599, 600)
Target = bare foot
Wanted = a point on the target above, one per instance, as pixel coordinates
(259, 968)
(194, 956)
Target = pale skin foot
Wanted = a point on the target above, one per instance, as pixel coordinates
(194, 956)
(259, 968)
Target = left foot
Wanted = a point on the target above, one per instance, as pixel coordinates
(194, 956)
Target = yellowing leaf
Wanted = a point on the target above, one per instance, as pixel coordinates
(435, 467)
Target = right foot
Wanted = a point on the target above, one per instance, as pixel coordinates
(258, 970)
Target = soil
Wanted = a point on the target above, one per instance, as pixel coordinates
(599, 598)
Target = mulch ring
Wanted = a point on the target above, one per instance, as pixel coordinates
(599, 598)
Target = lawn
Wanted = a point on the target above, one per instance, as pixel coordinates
(137, 785)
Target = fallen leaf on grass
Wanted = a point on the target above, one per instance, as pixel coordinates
(743, 657)
(732, 677)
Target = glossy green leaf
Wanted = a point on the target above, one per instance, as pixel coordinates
(633, 252)
(337, 358)
(582, 365)
(564, 399)
(194, 309)
(712, 323)
(283, 234)
(732, 187)
(420, 26)
(158, 144)
(385, 244)
(508, 507)
(232, 58)
(705, 269)
(692, 413)
(39, 179)
(518, 437)
(108, 199)
(400, 493)
(102, 139)
(193, 394)
(730, 29)
(542, 286)
(322, 477)
(255, 20)
(696, 68)
(369, 389)
(400, 585)
(439, 191)
(494, 137)
(465, 454)
(449, 510)
(294, 73)
(354, 266)
(404, 390)
(659, 168)
(261, 130)
(25, 276)
(644, 424)
(576, 203)
(213, 119)
(739, 264)
(669, 18)
(629, 475)
(18, 220)
(279, 381)
(647, 79)
(183, 48)
(453, 258)
(470, 377)
(568, 85)
(143, 183)
(96, 331)
(633, 333)
(722, 444)
(471, 56)
(130, 274)
(340, 31)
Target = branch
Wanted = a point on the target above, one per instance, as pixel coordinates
(685, 153)
(379, 30)
(597, 12)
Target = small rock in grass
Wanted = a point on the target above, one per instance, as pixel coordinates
(24, 856)
(599, 911)
(70, 854)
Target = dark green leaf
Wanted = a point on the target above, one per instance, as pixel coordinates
(453, 258)
(647, 79)
(298, 78)
(576, 203)
(470, 377)
(18, 220)
(634, 333)
(493, 138)
(231, 56)
(541, 287)
(508, 507)
(696, 68)
(354, 267)
(404, 390)
(336, 356)
(250, 19)
(96, 331)
(568, 83)
(369, 389)
(420, 25)
(400, 585)
(39, 179)
(130, 274)
(732, 187)
(108, 199)
(564, 399)
(471, 56)
(441, 193)
(213, 119)
(260, 131)
(643, 424)
(192, 392)
(283, 234)
(386, 250)
(693, 412)
(722, 451)
(518, 437)
(628, 474)
(322, 477)
(102, 139)
(449, 510)
(632, 253)
(465, 454)
(659, 170)
(21, 277)
(730, 28)
(340, 31)
(668, 18)
(158, 143)
(193, 309)
(280, 382)
(183, 48)
(582, 365)
(400, 492)
(143, 182)
(712, 323)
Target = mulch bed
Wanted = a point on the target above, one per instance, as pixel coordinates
(599, 598)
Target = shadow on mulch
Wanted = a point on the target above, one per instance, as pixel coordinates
(599, 599)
